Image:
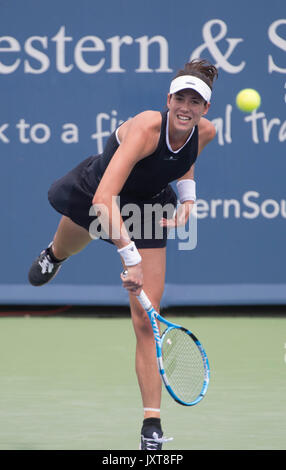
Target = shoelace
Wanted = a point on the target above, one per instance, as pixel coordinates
(151, 444)
(46, 265)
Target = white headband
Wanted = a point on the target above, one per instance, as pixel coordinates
(195, 83)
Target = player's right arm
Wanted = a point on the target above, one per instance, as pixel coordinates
(139, 138)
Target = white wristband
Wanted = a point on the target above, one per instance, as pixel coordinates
(130, 254)
(186, 190)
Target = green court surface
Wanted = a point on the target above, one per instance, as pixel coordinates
(69, 383)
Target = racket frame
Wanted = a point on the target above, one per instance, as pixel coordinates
(153, 316)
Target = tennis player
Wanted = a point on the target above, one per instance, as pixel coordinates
(140, 160)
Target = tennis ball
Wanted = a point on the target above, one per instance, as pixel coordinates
(247, 100)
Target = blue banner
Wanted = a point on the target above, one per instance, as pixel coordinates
(71, 72)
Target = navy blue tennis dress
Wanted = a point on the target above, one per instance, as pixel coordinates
(147, 185)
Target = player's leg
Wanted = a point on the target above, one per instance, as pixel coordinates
(154, 266)
(69, 239)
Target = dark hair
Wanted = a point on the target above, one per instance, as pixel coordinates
(200, 68)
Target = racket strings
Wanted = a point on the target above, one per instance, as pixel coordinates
(183, 364)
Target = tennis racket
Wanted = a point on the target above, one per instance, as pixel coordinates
(182, 360)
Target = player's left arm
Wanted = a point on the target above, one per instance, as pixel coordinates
(207, 133)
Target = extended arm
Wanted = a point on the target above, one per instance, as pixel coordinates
(139, 138)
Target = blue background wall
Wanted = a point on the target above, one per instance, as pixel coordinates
(62, 66)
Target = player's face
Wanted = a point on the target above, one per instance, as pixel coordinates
(186, 108)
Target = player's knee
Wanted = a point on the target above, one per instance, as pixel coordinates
(141, 321)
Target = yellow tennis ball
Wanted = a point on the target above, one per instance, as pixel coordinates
(247, 100)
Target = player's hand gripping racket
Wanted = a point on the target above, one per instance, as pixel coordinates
(182, 361)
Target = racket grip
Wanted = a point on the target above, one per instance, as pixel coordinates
(142, 297)
(144, 301)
